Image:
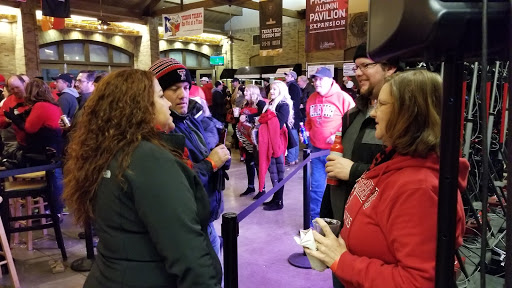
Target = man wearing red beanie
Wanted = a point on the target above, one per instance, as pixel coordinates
(208, 158)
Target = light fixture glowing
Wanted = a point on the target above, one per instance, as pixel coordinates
(4, 20)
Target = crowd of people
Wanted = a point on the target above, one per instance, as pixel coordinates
(147, 163)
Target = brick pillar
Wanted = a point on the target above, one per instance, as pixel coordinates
(27, 44)
(149, 50)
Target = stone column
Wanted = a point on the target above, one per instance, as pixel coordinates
(27, 43)
(149, 50)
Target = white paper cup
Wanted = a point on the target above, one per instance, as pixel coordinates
(236, 112)
(334, 224)
(316, 264)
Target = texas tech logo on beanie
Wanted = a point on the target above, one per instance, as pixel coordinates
(169, 71)
(183, 74)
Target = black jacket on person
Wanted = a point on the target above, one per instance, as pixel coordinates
(218, 107)
(365, 148)
(306, 92)
(295, 95)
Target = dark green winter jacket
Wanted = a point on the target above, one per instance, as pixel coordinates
(153, 233)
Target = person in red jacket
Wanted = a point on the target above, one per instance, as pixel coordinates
(207, 88)
(324, 111)
(42, 129)
(42, 123)
(386, 240)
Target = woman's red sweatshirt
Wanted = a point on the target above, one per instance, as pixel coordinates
(390, 224)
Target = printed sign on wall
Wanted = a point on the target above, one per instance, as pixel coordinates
(326, 23)
(188, 23)
(271, 27)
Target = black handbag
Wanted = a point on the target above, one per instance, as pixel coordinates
(292, 142)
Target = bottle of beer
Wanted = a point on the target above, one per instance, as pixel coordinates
(337, 150)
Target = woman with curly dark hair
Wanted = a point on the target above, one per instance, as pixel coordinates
(150, 209)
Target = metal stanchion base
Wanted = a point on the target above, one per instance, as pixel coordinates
(83, 264)
(299, 260)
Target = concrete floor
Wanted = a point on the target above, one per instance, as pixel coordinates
(264, 244)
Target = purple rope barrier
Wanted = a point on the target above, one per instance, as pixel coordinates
(249, 209)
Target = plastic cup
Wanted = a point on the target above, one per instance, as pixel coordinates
(236, 112)
(334, 224)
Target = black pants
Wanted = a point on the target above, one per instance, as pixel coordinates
(276, 170)
(250, 167)
(234, 137)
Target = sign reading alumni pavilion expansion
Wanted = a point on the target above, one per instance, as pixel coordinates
(326, 22)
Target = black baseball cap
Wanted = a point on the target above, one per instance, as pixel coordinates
(65, 77)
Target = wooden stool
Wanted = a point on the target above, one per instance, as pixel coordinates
(29, 203)
(32, 188)
(6, 252)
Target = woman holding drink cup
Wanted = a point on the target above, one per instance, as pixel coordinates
(387, 239)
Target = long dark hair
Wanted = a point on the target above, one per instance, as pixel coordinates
(36, 90)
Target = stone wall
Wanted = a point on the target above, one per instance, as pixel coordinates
(8, 49)
(294, 37)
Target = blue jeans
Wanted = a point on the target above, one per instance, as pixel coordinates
(318, 182)
(214, 239)
(56, 179)
(293, 154)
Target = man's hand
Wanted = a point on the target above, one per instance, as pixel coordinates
(330, 140)
(219, 155)
(338, 167)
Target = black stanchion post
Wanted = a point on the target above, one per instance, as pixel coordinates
(300, 260)
(229, 230)
(306, 187)
(448, 172)
(84, 264)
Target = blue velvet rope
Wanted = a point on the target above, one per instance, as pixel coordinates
(249, 209)
(14, 172)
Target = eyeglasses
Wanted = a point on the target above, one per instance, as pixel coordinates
(364, 66)
(379, 104)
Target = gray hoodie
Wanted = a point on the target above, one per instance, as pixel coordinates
(68, 102)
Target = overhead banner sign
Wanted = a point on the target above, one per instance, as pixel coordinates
(188, 23)
(326, 23)
(271, 27)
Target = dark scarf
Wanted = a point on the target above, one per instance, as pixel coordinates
(383, 157)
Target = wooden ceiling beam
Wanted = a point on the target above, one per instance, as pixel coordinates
(206, 4)
(85, 8)
(149, 6)
(176, 9)
(256, 6)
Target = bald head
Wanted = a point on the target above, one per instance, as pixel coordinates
(17, 85)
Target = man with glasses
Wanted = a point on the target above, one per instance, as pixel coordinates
(84, 85)
(359, 142)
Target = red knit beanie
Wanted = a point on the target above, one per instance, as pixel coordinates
(169, 71)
